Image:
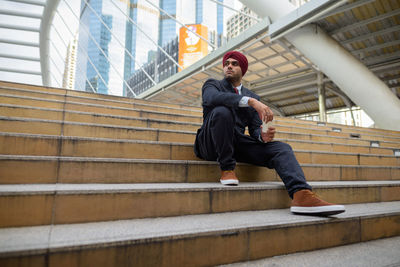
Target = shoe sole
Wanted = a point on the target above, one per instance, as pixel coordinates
(229, 182)
(321, 211)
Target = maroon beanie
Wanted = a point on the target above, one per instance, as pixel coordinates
(243, 63)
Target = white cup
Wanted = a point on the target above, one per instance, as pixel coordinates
(265, 126)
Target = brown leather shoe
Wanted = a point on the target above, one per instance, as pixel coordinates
(229, 178)
(306, 202)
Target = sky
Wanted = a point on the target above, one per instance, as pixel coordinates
(57, 44)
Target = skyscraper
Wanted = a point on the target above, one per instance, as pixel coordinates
(239, 22)
(214, 16)
(144, 18)
(100, 52)
(70, 65)
(167, 30)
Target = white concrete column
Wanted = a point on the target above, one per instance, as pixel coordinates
(347, 72)
(321, 97)
(44, 39)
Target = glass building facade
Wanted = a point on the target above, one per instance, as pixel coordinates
(214, 16)
(168, 26)
(110, 58)
(143, 21)
(158, 68)
(98, 46)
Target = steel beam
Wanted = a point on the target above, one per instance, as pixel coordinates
(18, 27)
(372, 34)
(371, 61)
(17, 42)
(20, 57)
(365, 22)
(390, 66)
(375, 47)
(309, 102)
(20, 14)
(20, 71)
(346, 8)
(289, 48)
(290, 80)
(257, 82)
(286, 88)
(31, 2)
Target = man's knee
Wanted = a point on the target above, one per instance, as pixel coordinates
(283, 147)
(222, 113)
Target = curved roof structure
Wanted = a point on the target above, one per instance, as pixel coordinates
(20, 23)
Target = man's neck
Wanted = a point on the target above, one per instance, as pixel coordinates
(236, 84)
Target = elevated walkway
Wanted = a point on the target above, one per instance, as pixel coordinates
(89, 179)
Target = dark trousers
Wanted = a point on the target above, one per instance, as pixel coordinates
(220, 141)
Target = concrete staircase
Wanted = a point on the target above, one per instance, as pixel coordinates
(95, 180)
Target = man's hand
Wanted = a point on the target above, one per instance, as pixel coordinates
(269, 135)
(263, 111)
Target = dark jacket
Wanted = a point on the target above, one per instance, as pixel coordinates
(221, 93)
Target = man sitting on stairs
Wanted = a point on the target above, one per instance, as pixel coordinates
(228, 108)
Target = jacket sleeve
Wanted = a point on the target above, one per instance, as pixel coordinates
(214, 95)
(255, 122)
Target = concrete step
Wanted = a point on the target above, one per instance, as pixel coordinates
(53, 100)
(334, 126)
(82, 112)
(55, 127)
(335, 139)
(54, 110)
(89, 117)
(15, 169)
(186, 240)
(59, 127)
(377, 253)
(54, 93)
(39, 145)
(284, 124)
(51, 145)
(28, 205)
(330, 132)
(338, 147)
(60, 94)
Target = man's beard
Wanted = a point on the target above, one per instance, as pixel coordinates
(232, 79)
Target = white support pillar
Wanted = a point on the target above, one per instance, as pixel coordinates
(347, 72)
(44, 39)
(321, 97)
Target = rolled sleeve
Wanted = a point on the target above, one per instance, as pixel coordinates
(244, 102)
